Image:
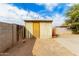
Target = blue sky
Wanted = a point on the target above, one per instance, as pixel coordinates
(46, 11)
(60, 8)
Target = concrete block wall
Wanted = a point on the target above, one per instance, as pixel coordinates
(9, 34)
(14, 34)
(5, 36)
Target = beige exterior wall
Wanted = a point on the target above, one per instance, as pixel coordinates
(45, 30)
(29, 29)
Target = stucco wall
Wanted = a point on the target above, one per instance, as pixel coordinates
(29, 29)
(45, 30)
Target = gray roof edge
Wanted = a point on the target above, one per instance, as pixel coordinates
(38, 20)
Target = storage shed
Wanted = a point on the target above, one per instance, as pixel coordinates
(38, 29)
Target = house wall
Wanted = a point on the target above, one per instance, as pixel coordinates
(29, 29)
(45, 30)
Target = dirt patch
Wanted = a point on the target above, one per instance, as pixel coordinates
(24, 49)
(40, 47)
(49, 47)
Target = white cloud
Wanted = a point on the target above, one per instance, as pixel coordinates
(48, 6)
(58, 20)
(70, 4)
(36, 16)
(33, 16)
(48, 18)
(12, 14)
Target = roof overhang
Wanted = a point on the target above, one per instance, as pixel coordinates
(38, 20)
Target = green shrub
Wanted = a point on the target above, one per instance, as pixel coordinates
(75, 27)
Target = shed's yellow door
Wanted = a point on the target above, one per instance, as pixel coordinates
(36, 29)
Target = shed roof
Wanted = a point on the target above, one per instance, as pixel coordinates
(38, 20)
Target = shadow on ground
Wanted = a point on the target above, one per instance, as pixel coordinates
(23, 49)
